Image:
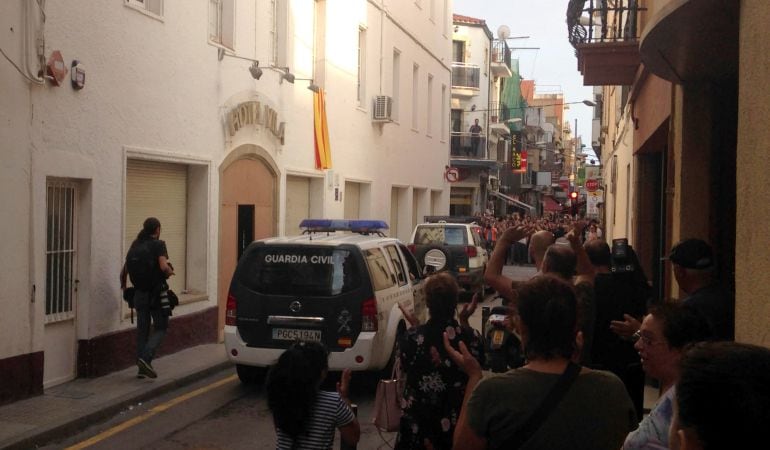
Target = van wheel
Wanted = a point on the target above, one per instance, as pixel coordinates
(250, 374)
(438, 257)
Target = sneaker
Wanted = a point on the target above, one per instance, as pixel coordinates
(146, 369)
(141, 375)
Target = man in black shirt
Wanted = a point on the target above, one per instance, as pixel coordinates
(475, 137)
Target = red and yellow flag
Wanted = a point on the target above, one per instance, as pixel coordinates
(323, 152)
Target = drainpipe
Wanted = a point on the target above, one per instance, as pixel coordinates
(382, 41)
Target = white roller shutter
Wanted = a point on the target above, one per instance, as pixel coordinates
(158, 189)
(297, 203)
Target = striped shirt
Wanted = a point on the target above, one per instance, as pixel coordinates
(329, 413)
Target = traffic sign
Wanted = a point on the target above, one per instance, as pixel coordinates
(592, 185)
(452, 174)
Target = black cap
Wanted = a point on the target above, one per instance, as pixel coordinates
(692, 254)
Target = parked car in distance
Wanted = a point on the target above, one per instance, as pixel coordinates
(453, 244)
(339, 283)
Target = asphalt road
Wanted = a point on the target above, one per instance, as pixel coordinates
(218, 412)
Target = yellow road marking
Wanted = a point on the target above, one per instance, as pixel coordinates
(156, 410)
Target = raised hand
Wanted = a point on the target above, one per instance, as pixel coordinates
(468, 309)
(625, 328)
(343, 386)
(464, 360)
(408, 315)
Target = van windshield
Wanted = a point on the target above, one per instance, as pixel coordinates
(440, 235)
(301, 270)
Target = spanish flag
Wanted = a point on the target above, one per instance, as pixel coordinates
(323, 151)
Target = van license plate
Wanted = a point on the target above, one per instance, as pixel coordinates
(295, 334)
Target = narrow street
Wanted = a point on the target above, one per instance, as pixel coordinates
(218, 412)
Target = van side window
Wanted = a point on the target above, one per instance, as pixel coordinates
(382, 277)
(397, 264)
(411, 263)
(476, 238)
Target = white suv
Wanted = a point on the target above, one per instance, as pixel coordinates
(453, 244)
(339, 283)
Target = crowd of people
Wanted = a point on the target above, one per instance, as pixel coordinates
(591, 334)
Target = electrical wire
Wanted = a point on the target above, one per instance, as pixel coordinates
(19, 69)
(518, 107)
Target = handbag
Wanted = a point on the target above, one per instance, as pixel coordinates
(387, 402)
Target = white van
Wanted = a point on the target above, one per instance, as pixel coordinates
(339, 283)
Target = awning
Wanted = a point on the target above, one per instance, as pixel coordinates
(551, 205)
(513, 201)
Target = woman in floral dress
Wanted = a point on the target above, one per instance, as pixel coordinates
(435, 386)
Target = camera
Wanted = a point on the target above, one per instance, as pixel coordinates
(622, 256)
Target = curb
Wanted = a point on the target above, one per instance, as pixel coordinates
(40, 436)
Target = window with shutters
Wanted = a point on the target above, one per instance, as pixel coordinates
(159, 189)
(150, 7)
(361, 79)
(280, 33)
(222, 23)
(176, 193)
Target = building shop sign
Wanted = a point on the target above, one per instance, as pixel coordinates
(255, 113)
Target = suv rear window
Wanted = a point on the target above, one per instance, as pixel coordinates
(440, 234)
(305, 270)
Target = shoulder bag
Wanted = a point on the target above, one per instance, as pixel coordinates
(387, 402)
(535, 421)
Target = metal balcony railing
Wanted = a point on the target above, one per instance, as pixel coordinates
(501, 53)
(602, 21)
(498, 112)
(464, 145)
(466, 75)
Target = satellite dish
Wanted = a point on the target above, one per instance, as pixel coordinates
(503, 32)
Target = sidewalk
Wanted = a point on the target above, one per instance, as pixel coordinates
(71, 406)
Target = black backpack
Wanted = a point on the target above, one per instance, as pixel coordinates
(142, 266)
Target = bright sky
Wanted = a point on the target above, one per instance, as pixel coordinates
(554, 65)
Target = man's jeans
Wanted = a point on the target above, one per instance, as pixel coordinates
(148, 314)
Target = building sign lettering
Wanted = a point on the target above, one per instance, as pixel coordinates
(255, 113)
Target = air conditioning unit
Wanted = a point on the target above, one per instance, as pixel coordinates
(382, 108)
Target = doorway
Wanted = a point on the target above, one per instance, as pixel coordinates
(61, 282)
(247, 213)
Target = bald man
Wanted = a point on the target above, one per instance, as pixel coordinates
(538, 244)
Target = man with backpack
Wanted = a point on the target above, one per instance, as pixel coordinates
(147, 266)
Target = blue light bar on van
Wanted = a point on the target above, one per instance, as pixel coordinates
(356, 226)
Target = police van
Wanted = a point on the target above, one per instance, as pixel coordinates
(338, 283)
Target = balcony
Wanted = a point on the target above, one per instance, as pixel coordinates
(466, 79)
(501, 59)
(466, 146)
(606, 40)
(499, 113)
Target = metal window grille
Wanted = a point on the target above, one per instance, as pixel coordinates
(61, 242)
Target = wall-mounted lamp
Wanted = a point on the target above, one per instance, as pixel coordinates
(286, 75)
(312, 86)
(254, 69)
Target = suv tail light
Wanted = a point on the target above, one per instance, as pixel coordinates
(470, 251)
(230, 310)
(369, 315)
(411, 248)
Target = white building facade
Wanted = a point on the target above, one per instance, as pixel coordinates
(170, 116)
